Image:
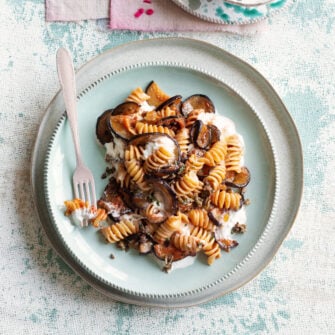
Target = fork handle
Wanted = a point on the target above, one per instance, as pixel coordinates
(67, 81)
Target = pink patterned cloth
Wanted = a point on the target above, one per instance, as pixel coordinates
(164, 15)
(76, 10)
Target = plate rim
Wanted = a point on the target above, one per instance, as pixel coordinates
(232, 23)
(255, 4)
(100, 287)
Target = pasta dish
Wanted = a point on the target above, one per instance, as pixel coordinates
(176, 178)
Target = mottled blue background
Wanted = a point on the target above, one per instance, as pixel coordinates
(40, 294)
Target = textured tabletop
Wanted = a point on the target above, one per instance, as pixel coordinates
(295, 294)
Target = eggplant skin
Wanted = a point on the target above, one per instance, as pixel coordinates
(173, 102)
(201, 135)
(126, 108)
(116, 126)
(102, 130)
(166, 194)
(197, 101)
(241, 179)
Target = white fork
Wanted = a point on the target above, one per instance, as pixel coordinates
(83, 181)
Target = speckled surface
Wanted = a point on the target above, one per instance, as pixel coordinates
(40, 294)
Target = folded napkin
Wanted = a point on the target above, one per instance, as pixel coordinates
(76, 10)
(164, 15)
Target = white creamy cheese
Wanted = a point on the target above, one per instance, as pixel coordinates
(224, 124)
(161, 141)
(81, 216)
(116, 148)
(145, 107)
(187, 108)
(223, 232)
(186, 229)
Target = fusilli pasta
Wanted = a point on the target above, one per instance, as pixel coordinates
(160, 158)
(138, 96)
(120, 231)
(216, 153)
(227, 200)
(216, 176)
(199, 218)
(144, 128)
(177, 176)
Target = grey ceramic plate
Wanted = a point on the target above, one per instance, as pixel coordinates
(232, 11)
(178, 66)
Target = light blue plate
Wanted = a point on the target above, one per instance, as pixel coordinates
(268, 132)
(223, 12)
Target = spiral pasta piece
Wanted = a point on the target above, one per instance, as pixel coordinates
(154, 116)
(158, 159)
(153, 213)
(187, 186)
(212, 251)
(72, 205)
(120, 231)
(193, 116)
(216, 176)
(133, 152)
(199, 218)
(183, 218)
(194, 163)
(234, 154)
(167, 112)
(144, 128)
(210, 246)
(100, 215)
(183, 139)
(202, 234)
(216, 153)
(136, 173)
(138, 96)
(167, 228)
(227, 200)
(122, 177)
(185, 242)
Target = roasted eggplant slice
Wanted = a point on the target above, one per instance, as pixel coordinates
(204, 138)
(218, 216)
(172, 122)
(126, 108)
(120, 125)
(140, 199)
(102, 130)
(240, 179)
(201, 135)
(197, 101)
(157, 95)
(163, 193)
(174, 103)
(215, 133)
